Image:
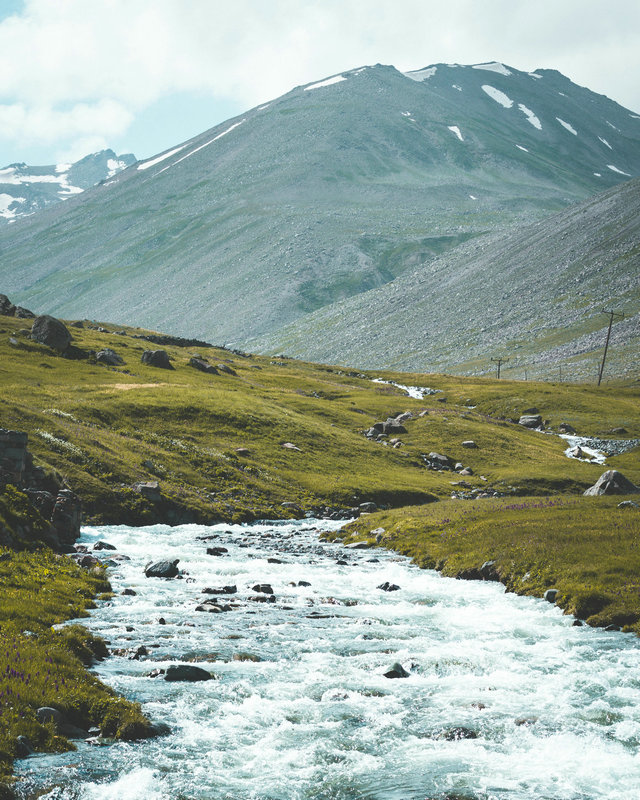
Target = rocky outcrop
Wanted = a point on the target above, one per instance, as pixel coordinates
(109, 357)
(612, 482)
(50, 331)
(201, 365)
(7, 309)
(59, 506)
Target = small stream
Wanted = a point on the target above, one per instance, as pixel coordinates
(554, 710)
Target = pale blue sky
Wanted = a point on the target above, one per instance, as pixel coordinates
(143, 75)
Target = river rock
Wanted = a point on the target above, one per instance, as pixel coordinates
(263, 588)
(357, 546)
(457, 734)
(389, 587)
(157, 358)
(612, 482)
(231, 589)
(564, 427)
(24, 747)
(216, 551)
(102, 545)
(50, 331)
(186, 672)
(397, 671)
(550, 595)
(530, 420)
(162, 569)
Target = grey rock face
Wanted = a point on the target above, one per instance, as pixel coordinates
(50, 331)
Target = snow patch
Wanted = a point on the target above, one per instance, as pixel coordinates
(421, 74)
(493, 66)
(619, 171)
(202, 146)
(498, 96)
(566, 125)
(562, 94)
(63, 167)
(531, 117)
(158, 159)
(605, 142)
(598, 174)
(534, 75)
(455, 86)
(328, 82)
(5, 201)
(358, 71)
(611, 125)
(520, 147)
(114, 167)
(634, 116)
(473, 197)
(456, 130)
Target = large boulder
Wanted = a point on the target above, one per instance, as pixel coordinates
(6, 306)
(157, 358)
(612, 482)
(530, 420)
(50, 331)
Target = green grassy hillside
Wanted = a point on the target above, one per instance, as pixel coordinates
(105, 429)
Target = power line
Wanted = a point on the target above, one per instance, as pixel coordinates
(500, 362)
(612, 314)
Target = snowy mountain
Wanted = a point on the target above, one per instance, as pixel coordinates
(25, 190)
(329, 191)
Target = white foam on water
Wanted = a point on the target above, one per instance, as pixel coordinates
(316, 718)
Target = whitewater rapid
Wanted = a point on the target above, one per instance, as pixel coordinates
(555, 709)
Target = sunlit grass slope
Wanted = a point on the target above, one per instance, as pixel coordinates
(107, 428)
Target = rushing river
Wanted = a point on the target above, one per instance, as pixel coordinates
(555, 709)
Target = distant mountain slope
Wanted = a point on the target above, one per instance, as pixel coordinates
(329, 191)
(25, 190)
(534, 295)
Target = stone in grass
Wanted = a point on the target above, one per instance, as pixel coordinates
(530, 420)
(291, 446)
(162, 569)
(202, 366)
(226, 369)
(628, 504)
(612, 482)
(397, 671)
(50, 331)
(109, 357)
(469, 443)
(156, 358)
(186, 672)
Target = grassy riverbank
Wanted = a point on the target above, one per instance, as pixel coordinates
(41, 666)
(585, 547)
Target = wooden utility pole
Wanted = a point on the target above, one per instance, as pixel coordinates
(611, 314)
(500, 362)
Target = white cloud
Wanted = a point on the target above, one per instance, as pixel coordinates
(77, 69)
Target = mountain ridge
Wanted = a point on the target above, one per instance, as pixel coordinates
(333, 189)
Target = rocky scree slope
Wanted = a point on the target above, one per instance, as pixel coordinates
(534, 295)
(328, 191)
(25, 190)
